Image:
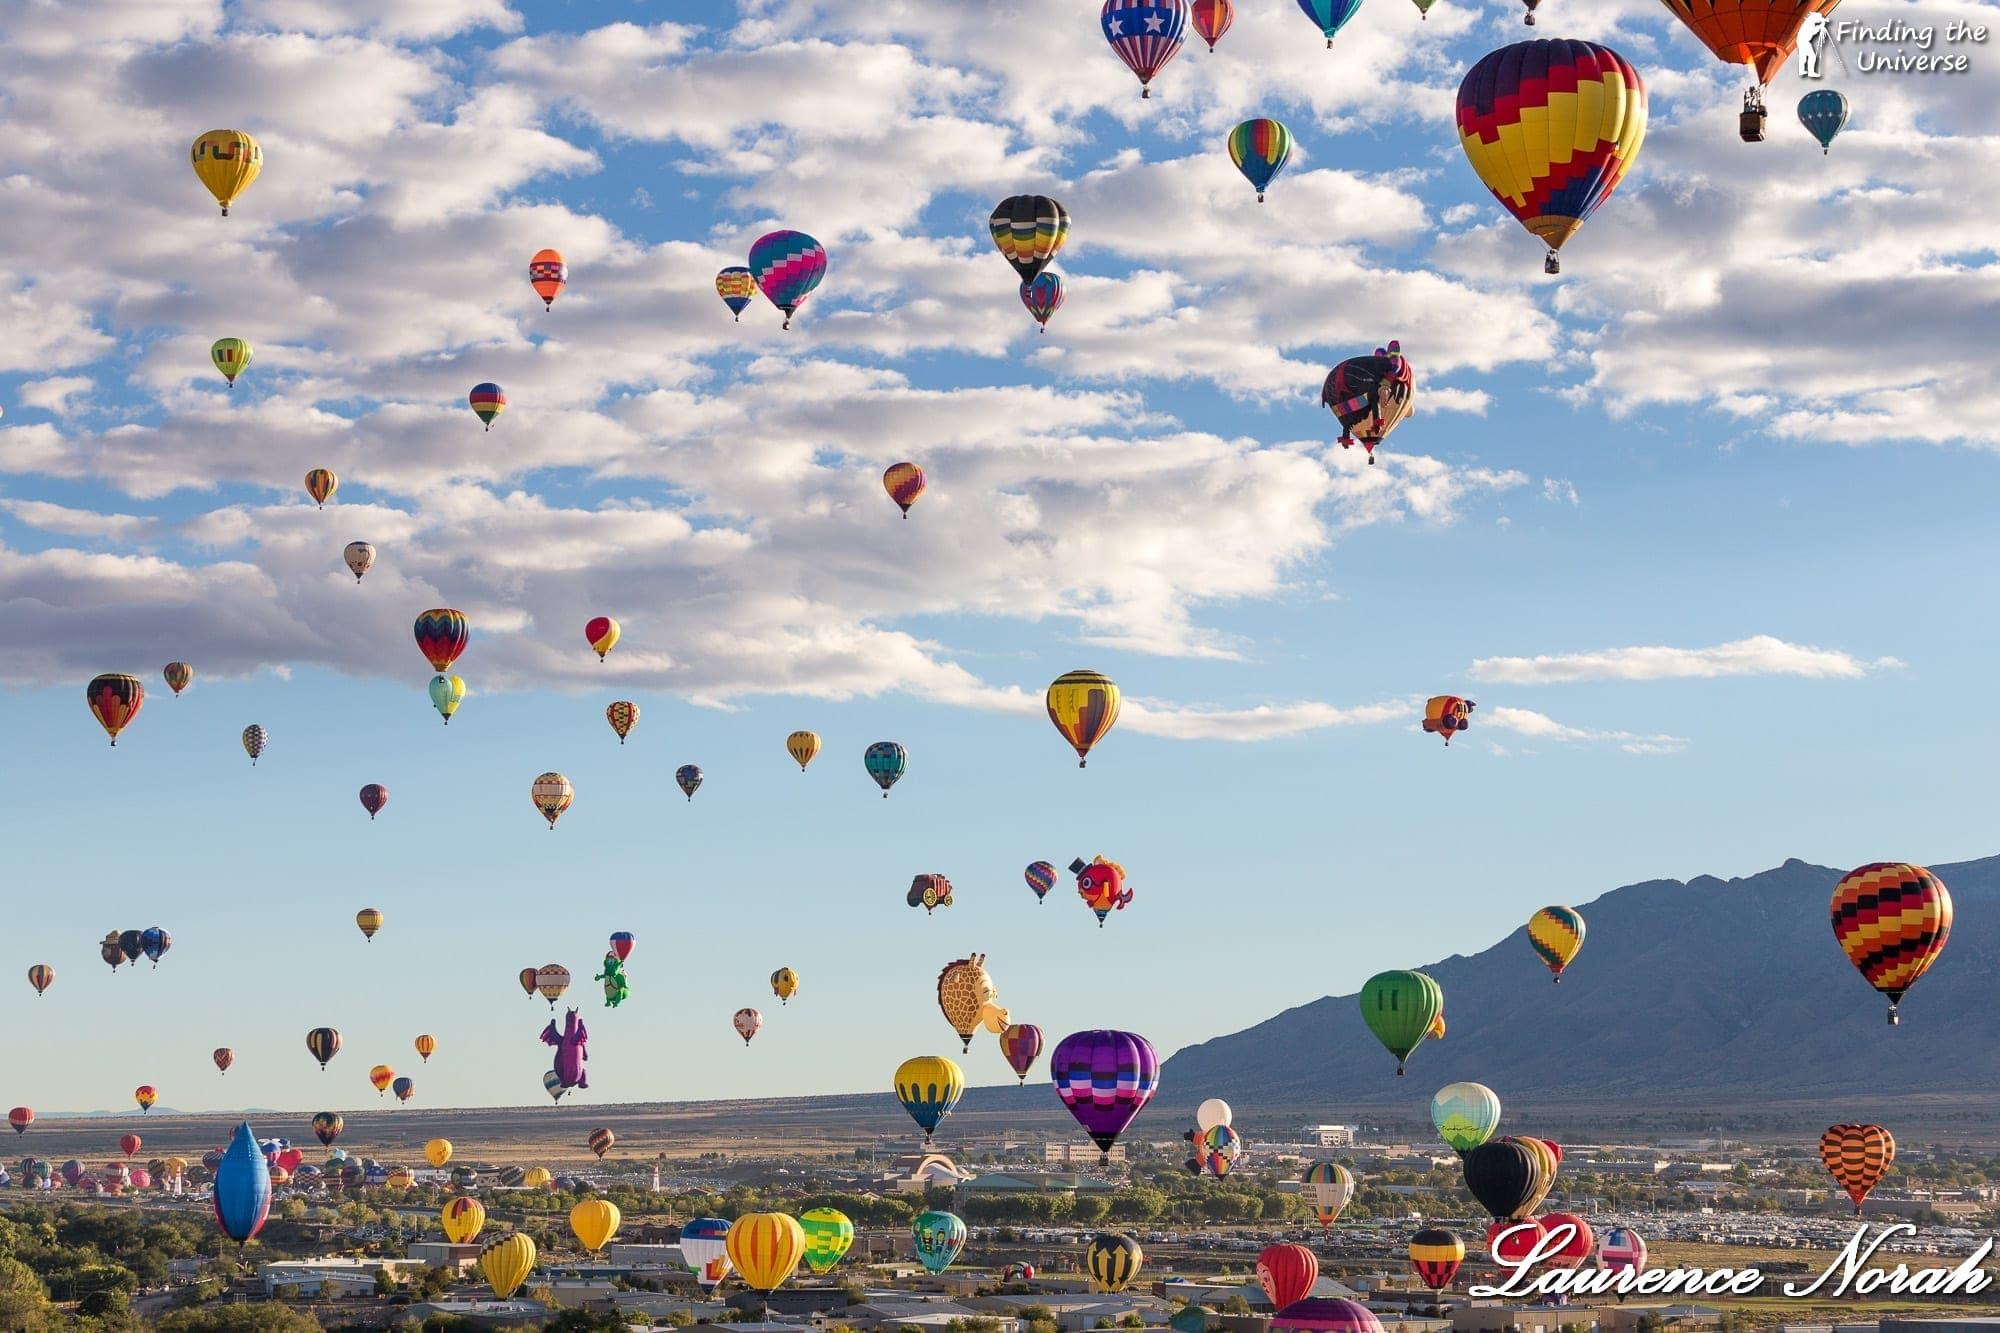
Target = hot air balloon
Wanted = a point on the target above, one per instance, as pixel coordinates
(747, 1022)
(829, 1234)
(1145, 34)
(1575, 1241)
(1892, 920)
(242, 1187)
(1020, 1045)
(154, 941)
(802, 746)
(548, 275)
(1435, 1255)
(966, 998)
(488, 400)
(1028, 230)
(1084, 707)
(368, 920)
(1508, 1177)
(784, 984)
(1329, 16)
(1622, 1250)
(552, 794)
(145, 1095)
(1325, 1314)
(737, 287)
(1260, 148)
(553, 1085)
(326, 1127)
(404, 1088)
(939, 1239)
(255, 738)
(1424, 9)
(506, 1262)
(601, 633)
(129, 1144)
(321, 483)
(1823, 112)
(928, 1086)
(1287, 1273)
(115, 699)
(109, 951)
(226, 162)
(1210, 19)
(527, 979)
(373, 797)
(1446, 714)
(1101, 885)
(905, 484)
(1043, 296)
(622, 942)
(766, 1248)
(360, 558)
(1556, 934)
(1370, 396)
(688, 778)
(594, 1222)
(1857, 1156)
(1212, 1112)
(1399, 1008)
(437, 1152)
(1759, 33)
(551, 980)
(381, 1076)
(178, 676)
(41, 976)
(447, 693)
(788, 265)
(131, 943)
(442, 634)
(1551, 127)
(1105, 1078)
(1328, 1187)
(623, 715)
(1466, 1114)
(929, 891)
(1217, 1149)
(1112, 1259)
(462, 1219)
(231, 356)
(1041, 877)
(886, 762)
(705, 1250)
(323, 1044)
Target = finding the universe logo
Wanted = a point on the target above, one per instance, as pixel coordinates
(1894, 46)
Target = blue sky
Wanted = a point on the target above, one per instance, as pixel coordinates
(1696, 524)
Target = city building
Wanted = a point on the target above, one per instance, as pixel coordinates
(1329, 1136)
(1080, 1154)
(345, 1277)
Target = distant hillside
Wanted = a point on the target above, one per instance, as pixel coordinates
(1732, 988)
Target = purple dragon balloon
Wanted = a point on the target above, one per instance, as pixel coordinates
(570, 1050)
(1105, 1078)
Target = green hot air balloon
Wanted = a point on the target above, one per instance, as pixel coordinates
(829, 1233)
(1466, 1114)
(1399, 1008)
(939, 1238)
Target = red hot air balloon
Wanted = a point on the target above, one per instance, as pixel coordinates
(548, 274)
(373, 797)
(1211, 18)
(1582, 1242)
(1287, 1273)
(1509, 1242)
(129, 1144)
(442, 634)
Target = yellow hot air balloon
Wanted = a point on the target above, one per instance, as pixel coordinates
(381, 1076)
(437, 1152)
(784, 984)
(231, 356)
(802, 746)
(766, 1248)
(369, 920)
(226, 161)
(321, 484)
(595, 1222)
(1084, 706)
(506, 1261)
(463, 1218)
(426, 1046)
(552, 794)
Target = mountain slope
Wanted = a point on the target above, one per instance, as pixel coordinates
(1726, 987)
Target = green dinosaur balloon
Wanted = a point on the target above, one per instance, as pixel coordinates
(1399, 1008)
(616, 987)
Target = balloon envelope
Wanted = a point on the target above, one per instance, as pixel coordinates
(242, 1187)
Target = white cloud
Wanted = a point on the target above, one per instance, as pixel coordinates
(1539, 726)
(1759, 655)
(54, 393)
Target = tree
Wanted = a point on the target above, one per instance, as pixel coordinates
(108, 1302)
(385, 1282)
(260, 1318)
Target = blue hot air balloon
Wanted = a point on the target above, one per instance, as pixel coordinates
(1824, 112)
(1330, 15)
(155, 941)
(242, 1187)
(939, 1239)
(886, 763)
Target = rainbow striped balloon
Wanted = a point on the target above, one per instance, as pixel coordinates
(1260, 148)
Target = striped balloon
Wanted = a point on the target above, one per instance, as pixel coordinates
(1105, 1078)
(1260, 148)
(1028, 230)
(1892, 920)
(905, 484)
(1857, 1156)
(1020, 1045)
(1466, 1114)
(1041, 877)
(1435, 1255)
(1325, 1314)
(1551, 127)
(1330, 15)
(600, 1142)
(1043, 297)
(766, 1248)
(829, 1234)
(1211, 19)
(1557, 934)
(1145, 34)
(788, 265)
(736, 287)
(488, 400)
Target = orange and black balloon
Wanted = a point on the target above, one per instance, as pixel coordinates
(1892, 920)
(1857, 1156)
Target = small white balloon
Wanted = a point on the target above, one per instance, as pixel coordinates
(1211, 1113)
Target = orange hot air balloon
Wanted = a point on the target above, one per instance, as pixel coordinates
(549, 275)
(623, 715)
(426, 1046)
(1762, 34)
(529, 980)
(1892, 920)
(115, 699)
(321, 484)
(381, 1076)
(145, 1094)
(1857, 1156)
(905, 484)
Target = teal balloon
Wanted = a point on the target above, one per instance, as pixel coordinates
(1330, 15)
(886, 761)
(940, 1238)
(1466, 1114)
(1824, 112)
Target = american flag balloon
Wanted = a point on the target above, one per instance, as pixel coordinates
(1145, 33)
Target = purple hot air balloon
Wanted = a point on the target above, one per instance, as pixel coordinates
(1105, 1078)
(242, 1187)
(787, 266)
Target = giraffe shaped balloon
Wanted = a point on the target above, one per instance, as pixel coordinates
(965, 994)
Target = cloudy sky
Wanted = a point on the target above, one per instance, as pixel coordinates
(1697, 523)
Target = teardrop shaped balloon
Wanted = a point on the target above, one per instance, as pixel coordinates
(1260, 149)
(447, 693)
(374, 798)
(115, 699)
(227, 162)
(321, 483)
(905, 484)
(886, 762)
(1211, 19)
(1083, 705)
(788, 266)
(442, 634)
(1287, 1272)
(1145, 34)
(1466, 1114)
(802, 746)
(1435, 1255)
(360, 558)
(506, 1262)
(1399, 1008)
(1329, 1187)
(552, 794)
(1105, 1078)
(623, 715)
(938, 1238)
(1043, 296)
(1330, 16)
(487, 400)
(1892, 920)
(688, 778)
(177, 675)
(601, 633)
(1020, 1045)
(1556, 933)
(829, 1235)
(1824, 113)
(231, 356)
(548, 275)
(928, 1086)
(737, 287)
(1029, 230)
